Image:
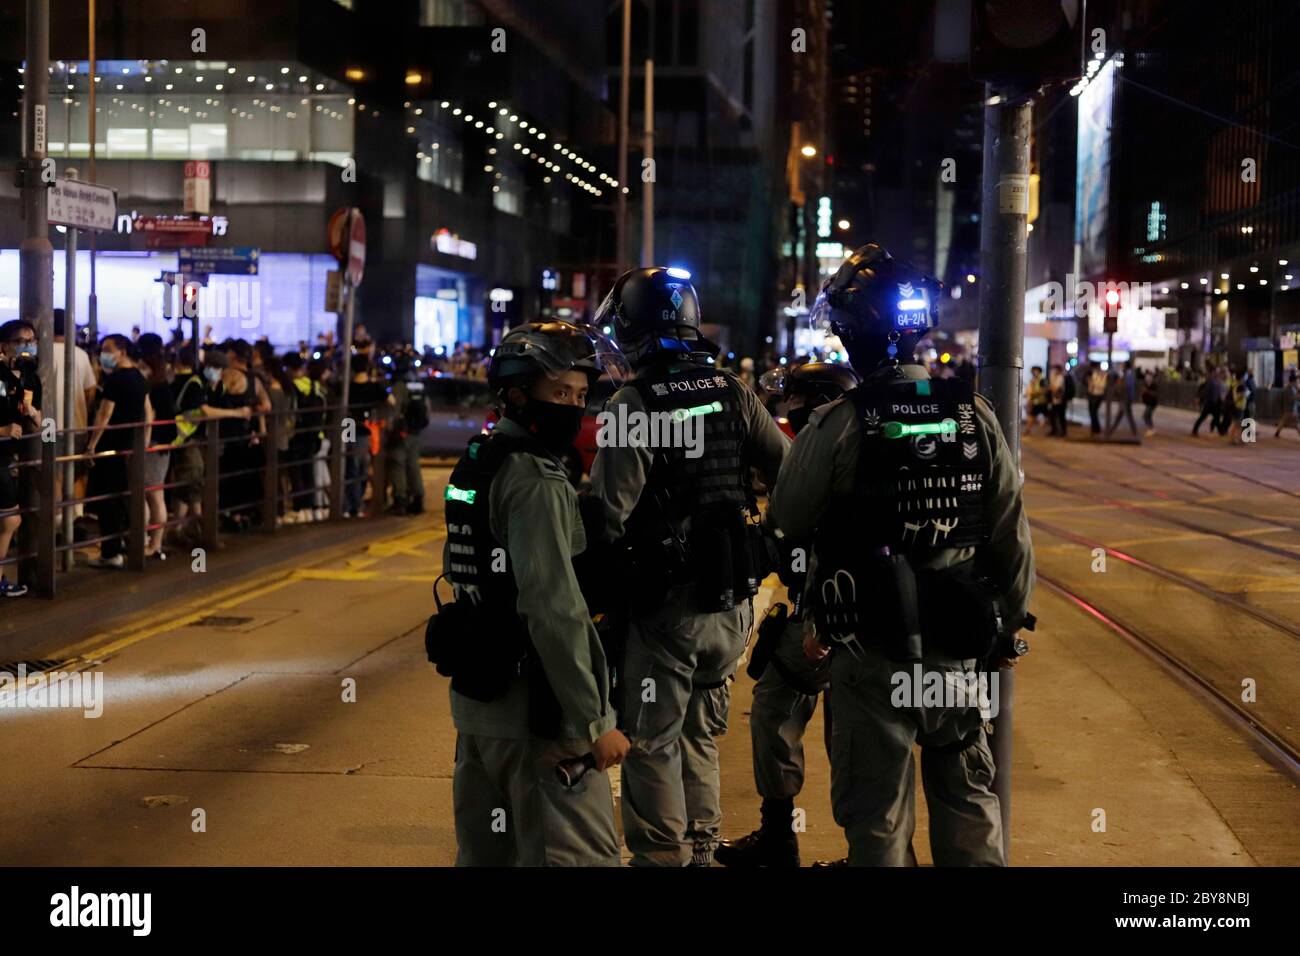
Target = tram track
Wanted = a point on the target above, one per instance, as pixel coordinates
(1165, 496)
(1271, 743)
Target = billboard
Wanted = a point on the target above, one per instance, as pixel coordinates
(1092, 182)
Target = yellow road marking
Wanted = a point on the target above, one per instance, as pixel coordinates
(232, 596)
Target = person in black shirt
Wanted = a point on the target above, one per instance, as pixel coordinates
(20, 415)
(367, 401)
(123, 400)
(193, 401)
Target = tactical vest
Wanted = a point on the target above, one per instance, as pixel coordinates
(480, 564)
(922, 468)
(718, 476)
(480, 568)
(691, 519)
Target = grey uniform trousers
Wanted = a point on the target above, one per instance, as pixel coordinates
(780, 714)
(511, 810)
(676, 699)
(873, 791)
(404, 469)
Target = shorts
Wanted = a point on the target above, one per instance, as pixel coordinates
(155, 468)
(187, 474)
(1038, 410)
(8, 485)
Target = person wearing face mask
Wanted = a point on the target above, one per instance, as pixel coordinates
(20, 402)
(123, 401)
(685, 511)
(530, 686)
(791, 667)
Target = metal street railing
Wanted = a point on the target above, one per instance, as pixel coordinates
(39, 551)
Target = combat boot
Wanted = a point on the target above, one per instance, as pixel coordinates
(773, 844)
(760, 848)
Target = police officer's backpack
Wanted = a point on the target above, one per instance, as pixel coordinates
(416, 413)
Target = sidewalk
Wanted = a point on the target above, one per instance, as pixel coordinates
(1169, 420)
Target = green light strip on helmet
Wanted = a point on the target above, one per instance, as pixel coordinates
(902, 430)
(681, 414)
(460, 494)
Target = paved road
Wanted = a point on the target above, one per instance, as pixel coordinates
(233, 702)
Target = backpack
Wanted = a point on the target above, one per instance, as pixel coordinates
(415, 412)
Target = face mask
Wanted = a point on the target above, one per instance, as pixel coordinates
(798, 418)
(554, 425)
(213, 375)
(27, 350)
(108, 360)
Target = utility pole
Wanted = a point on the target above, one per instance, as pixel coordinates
(92, 304)
(1003, 239)
(648, 190)
(36, 254)
(621, 225)
(69, 375)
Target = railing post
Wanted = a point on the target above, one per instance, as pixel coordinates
(379, 470)
(138, 513)
(336, 463)
(271, 472)
(47, 475)
(211, 484)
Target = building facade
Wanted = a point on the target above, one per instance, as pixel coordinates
(466, 133)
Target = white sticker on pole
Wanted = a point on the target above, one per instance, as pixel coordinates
(1013, 194)
(38, 125)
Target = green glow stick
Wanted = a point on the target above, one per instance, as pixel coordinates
(902, 430)
(681, 414)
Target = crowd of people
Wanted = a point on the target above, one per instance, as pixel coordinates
(1226, 397)
(254, 396)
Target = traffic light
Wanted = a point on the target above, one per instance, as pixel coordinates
(1031, 42)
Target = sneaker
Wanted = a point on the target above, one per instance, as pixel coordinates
(320, 514)
(116, 561)
(760, 848)
(8, 590)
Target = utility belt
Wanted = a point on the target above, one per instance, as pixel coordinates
(954, 611)
(723, 557)
(484, 648)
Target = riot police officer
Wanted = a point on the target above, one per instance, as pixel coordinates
(792, 667)
(684, 507)
(923, 568)
(530, 685)
(411, 417)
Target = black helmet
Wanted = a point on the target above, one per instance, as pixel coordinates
(551, 348)
(821, 382)
(652, 311)
(879, 306)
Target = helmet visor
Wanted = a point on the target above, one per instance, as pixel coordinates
(773, 382)
(609, 358)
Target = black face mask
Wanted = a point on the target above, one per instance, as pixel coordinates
(554, 425)
(798, 417)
